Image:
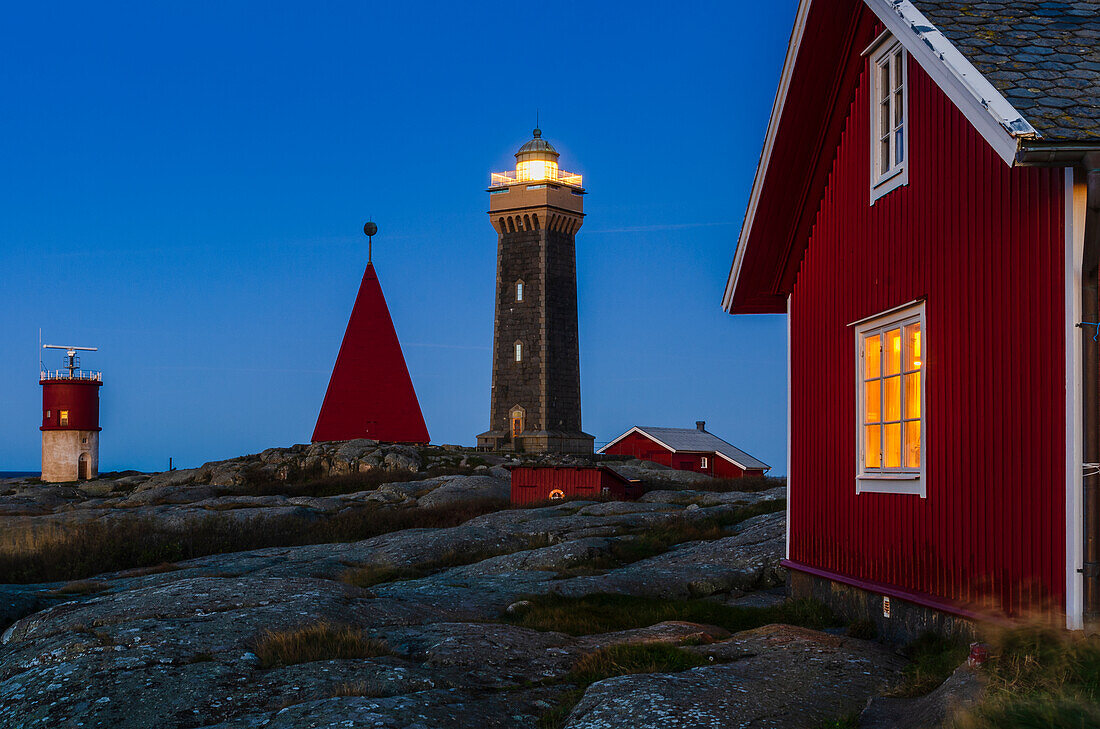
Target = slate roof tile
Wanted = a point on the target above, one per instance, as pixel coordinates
(1042, 56)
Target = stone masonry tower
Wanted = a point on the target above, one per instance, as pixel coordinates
(536, 399)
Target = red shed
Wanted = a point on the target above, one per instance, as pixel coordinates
(531, 484)
(919, 214)
(686, 449)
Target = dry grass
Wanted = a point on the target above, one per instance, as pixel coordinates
(82, 587)
(374, 574)
(620, 660)
(932, 658)
(80, 551)
(321, 641)
(604, 613)
(1040, 677)
(368, 689)
(659, 539)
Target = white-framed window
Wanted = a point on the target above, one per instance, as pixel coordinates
(890, 394)
(703, 462)
(519, 290)
(889, 118)
(519, 351)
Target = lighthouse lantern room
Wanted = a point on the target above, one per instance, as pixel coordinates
(70, 419)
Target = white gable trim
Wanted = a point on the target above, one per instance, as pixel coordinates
(636, 429)
(984, 107)
(742, 466)
(766, 153)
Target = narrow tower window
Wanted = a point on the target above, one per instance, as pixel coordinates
(519, 351)
(64, 416)
(519, 291)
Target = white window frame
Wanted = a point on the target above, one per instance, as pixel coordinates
(885, 480)
(519, 290)
(519, 351)
(703, 462)
(882, 51)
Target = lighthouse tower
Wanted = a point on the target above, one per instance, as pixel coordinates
(536, 210)
(70, 419)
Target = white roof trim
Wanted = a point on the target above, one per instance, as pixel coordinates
(766, 153)
(636, 429)
(999, 123)
(742, 466)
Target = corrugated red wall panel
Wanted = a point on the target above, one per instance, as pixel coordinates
(982, 243)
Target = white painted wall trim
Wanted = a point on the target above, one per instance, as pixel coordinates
(1076, 196)
(790, 396)
(765, 155)
(999, 123)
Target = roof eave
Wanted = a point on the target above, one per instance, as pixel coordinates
(993, 116)
(1043, 153)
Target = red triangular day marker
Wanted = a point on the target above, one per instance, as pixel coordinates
(370, 393)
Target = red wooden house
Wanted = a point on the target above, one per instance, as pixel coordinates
(531, 484)
(687, 449)
(926, 212)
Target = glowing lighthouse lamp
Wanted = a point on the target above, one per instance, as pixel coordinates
(70, 419)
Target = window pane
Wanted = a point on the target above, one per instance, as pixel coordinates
(897, 70)
(912, 444)
(872, 355)
(912, 395)
(872, 457)
(891, 449)
(893, 399)
(884, 156)
(899, 146)
(893, 352)
(884, 85)
(871, 395)
(899, 108)
(884, 125)
(912, 347)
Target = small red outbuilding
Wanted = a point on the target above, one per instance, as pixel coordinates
(686, 449)
(531, 484)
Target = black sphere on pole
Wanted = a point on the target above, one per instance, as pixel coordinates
(370, 230)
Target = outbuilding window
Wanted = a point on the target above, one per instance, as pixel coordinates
(519, 290)
(889, 117)
(891, 352)
(703, 462)
(519, 351)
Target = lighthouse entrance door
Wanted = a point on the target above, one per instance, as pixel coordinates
(82, 467)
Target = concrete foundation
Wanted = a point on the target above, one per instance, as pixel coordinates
(907, 620)
(69, 455)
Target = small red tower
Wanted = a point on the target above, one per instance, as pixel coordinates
(70, 419)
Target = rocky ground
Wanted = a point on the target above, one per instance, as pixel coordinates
(176, 646)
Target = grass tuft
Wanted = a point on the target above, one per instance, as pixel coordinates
(604, 613)
(933, 658)
(81, 587)
(374, 574)
(320, 641)
(620, 660)
(1040, 677)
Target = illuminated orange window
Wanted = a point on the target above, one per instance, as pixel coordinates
(63, 416)
(890, 397)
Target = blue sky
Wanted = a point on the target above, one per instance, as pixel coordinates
(184, 186)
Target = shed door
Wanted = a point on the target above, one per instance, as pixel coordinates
(82, 468)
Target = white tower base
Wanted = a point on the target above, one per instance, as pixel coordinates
(69, 455)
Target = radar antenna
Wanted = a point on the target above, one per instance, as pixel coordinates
(70, 352)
